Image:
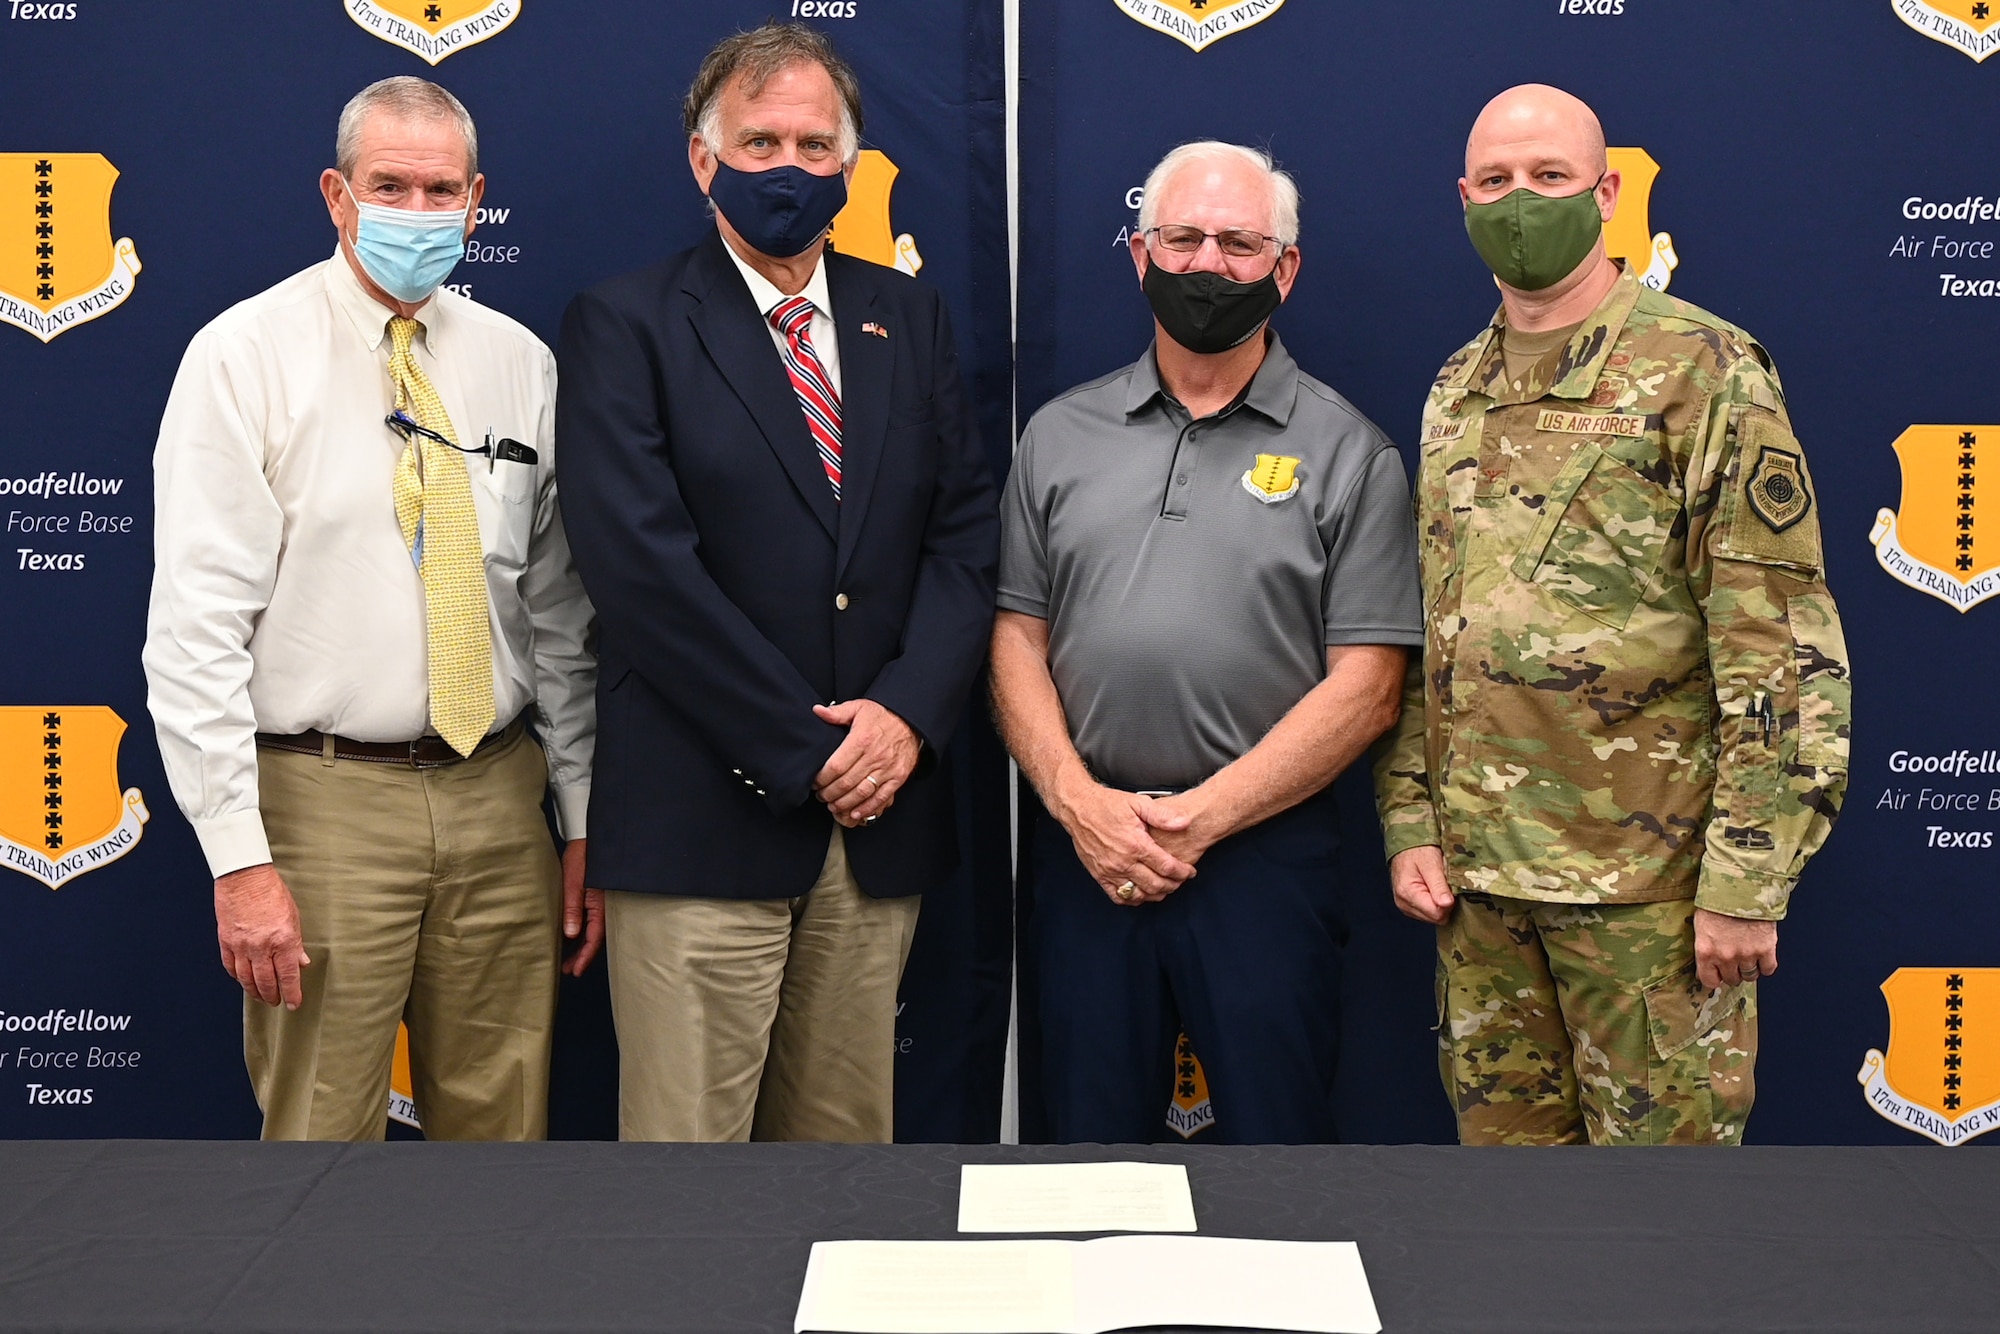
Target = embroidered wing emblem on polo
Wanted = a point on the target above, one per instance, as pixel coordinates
(1777, 490)
(1274, 478)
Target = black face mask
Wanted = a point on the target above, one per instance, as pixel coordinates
(1206, 312)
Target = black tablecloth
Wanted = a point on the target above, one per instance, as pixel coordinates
(229, 1236)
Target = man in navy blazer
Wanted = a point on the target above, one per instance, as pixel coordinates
(776, 498)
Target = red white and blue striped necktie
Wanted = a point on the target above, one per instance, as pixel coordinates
(792, 317)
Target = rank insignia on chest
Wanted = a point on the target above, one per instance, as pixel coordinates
(1777, 489)
(1274, 478)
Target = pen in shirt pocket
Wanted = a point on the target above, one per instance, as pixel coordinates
(508, 451)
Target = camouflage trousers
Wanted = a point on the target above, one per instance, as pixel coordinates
(1560, 1022)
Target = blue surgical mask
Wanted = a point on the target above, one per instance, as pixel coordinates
(780, 211)
(407, 253)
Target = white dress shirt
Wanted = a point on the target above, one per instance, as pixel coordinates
(283, 596)
(824, 340)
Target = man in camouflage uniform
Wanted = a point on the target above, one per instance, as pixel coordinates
(1630, 727)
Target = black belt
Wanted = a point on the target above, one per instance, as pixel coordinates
(426, 752)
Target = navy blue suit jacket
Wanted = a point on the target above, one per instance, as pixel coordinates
(710, 541)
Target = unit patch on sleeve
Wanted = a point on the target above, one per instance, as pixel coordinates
(1777, 490)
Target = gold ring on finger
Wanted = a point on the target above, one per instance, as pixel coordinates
(1128, 891)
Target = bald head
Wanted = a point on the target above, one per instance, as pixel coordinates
(1534, 136)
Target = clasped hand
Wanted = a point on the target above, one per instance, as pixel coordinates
(860, 779)
(1150, 843)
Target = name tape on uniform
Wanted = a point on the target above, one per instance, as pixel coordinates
(1437, 431)
(1583, 423)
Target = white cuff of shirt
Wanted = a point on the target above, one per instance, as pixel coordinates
(233, 841)
(572, 806)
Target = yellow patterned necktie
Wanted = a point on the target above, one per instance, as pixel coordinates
(441, 529)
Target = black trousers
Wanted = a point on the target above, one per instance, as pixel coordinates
(1245, 957)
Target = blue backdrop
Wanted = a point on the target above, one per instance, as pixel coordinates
(1822, 175)
(219, 117)
(1789, 140)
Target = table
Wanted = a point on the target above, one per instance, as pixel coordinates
(142, 1235)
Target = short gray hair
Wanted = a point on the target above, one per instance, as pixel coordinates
(404, 97)
(1284, 190)
(756, 56)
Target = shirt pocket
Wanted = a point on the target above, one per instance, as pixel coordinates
(506, 509)
(1599, 542)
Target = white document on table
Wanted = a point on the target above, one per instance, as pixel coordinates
(1084, 1287)
(1074, 1197)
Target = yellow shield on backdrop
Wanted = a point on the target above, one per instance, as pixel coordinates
(1973, 26)
(1978, 15)
(62, 810)
(1943, 538)
(1197, 23)
(1944, 1038)
(59, 787)
(1629, 234)
(59, 265)
(1938, 519)
(432, 14)
(862, 228)
(433, 29)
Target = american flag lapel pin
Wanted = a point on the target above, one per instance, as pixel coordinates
(873, 328)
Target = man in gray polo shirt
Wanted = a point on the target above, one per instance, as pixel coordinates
(1208, 586)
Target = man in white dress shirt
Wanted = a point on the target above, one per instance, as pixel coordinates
(362, 593)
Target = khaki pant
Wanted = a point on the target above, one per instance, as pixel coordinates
(769, 1019)
(1560, 1022)
(429, 897)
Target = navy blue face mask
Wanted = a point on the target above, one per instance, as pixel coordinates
(780, 211)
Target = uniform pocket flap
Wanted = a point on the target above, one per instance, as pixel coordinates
(1680, 1011)
(1561, 492)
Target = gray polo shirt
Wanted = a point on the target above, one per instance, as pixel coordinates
(1190, 586)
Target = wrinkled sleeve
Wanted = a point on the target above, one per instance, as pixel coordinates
(1775, 648)
(565, 628)
(217, 532)
(1402, 778)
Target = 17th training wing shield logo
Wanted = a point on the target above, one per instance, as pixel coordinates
(433, 29)
(1973, 26)
(1629, 235)
(59, 266)
(62, 811)
(1938, 540)
(1941, 1074)
(862, 227)
(1199, 22)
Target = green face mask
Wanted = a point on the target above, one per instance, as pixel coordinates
(1533, 241)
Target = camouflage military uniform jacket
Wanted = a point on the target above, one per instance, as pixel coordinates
(1634, 684)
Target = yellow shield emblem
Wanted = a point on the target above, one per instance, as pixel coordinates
(1189, 1111)
(59, 266)
(402, 1098)
(1973, 26)
(1629, 235)
(862, 228)
(433, 29)
(1941, 1074)
(1198, 22)
(1939, 540)
(1273, 478)
(61, 808)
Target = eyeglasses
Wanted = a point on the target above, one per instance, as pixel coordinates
(1235, 242)
(403, 425)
